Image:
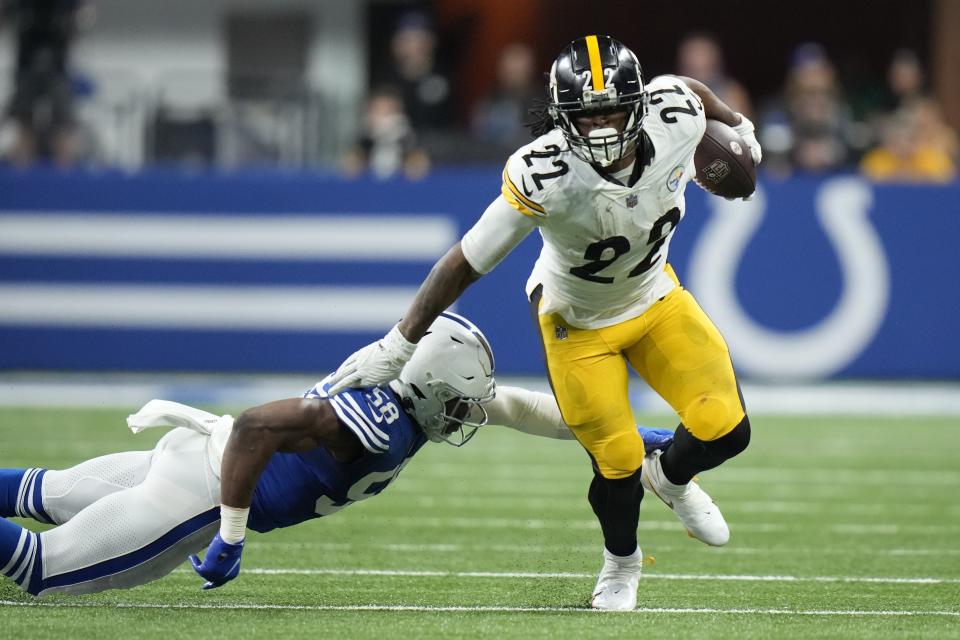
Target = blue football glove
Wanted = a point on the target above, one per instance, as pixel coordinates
(655, 439)
(220, 565)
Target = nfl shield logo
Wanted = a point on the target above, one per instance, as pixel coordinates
(717, 170)
(632, 200)
(560, 332)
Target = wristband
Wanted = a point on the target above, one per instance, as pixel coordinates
(396, 344)
(233, 524)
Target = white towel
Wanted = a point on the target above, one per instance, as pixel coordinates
(170, 415)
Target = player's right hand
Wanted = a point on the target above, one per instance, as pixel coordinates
(220, 565)
(374, 364)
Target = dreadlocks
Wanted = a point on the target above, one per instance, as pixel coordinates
(542, 122)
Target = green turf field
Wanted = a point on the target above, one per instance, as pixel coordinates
(841, 528)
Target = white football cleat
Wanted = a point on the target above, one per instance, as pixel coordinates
(616, 588)
(695, 509)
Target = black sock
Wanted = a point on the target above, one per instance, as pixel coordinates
(688, 456)
(616, 504)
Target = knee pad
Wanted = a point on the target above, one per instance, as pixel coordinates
(710, 417)
(620, 456)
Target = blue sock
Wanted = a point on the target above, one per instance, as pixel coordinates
(10, 480)
(20, 495)
(20, 556)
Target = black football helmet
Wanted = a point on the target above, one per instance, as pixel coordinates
(596, 73)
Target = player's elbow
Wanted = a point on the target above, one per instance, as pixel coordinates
(250, 426)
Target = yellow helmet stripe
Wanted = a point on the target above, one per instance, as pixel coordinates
(596, 69)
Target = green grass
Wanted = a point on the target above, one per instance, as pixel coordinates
(824, 514)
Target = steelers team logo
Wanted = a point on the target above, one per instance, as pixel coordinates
(673, 182)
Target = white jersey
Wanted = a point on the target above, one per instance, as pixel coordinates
(605, 244)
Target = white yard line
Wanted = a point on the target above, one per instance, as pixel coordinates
(647, 576)
(833, 476)
(594, 548)
(845, 528)
(509, 470)
(519, 501)
(560, 488)
(477, 609)
(508, 575)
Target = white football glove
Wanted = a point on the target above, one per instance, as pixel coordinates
(374, 364)
(745, 131)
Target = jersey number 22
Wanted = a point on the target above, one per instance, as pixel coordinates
(621, 246)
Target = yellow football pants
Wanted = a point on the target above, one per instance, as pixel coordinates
(674, 347)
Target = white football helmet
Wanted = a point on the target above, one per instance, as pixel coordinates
(449, 377)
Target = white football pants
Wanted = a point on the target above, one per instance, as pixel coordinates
(128, 518)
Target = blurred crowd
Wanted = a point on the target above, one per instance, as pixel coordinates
(40, 109)
(412, 120)
(895, 133)
(899, 134)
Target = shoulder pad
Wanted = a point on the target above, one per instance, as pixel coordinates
(671, 98)
(531, 174)
(675, 108)
(665, 82)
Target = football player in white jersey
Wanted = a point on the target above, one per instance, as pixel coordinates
(604, 184)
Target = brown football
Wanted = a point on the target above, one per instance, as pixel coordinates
(723, 163)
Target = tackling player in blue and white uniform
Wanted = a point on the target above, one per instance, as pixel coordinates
(128, 518)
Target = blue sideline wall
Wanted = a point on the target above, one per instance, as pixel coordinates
(161, 271)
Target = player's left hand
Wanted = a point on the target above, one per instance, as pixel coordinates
(745, 131)
(374, 364)
(220, 565)
(655, 439)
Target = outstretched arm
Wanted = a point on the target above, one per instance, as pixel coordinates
(489, 241)
(449, 278)
(528, 411)
(538, 414)
(382, 361)
(498, 231)
(294, 425)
